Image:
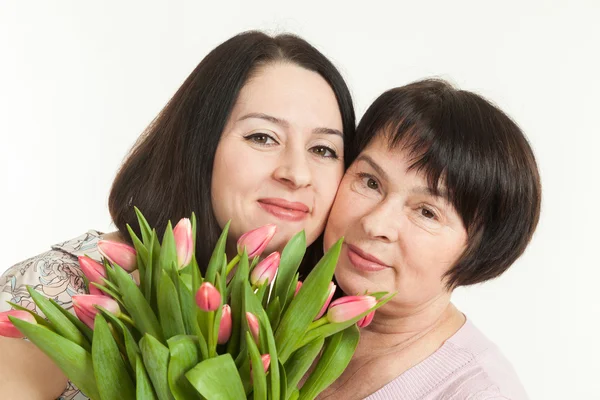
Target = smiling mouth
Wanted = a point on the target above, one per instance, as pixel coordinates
(363, 261)
(285, 210)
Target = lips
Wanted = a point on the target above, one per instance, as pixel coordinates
(283, 209)
(364, 261)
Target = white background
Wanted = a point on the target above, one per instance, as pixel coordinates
(80, 80)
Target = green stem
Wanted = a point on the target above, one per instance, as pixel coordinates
(232, 264)
(125, 318)
(320, 322)
(211, 339)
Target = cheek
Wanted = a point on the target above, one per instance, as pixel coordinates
(342, 217)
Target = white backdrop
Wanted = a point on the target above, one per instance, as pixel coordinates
(80, 80)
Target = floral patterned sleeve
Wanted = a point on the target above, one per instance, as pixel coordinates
(57, 275)
(54, 274)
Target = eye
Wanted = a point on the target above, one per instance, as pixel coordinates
(369, 181)
(261, 139)
(324, 151)
(427, 213)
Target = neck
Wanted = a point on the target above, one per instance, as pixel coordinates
(394, 330)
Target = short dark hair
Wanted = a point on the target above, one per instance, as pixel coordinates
(168, 173)
(459, 139)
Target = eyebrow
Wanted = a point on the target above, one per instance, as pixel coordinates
(441, 193)
(286, 124)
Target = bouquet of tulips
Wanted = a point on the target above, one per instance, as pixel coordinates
(247, 329)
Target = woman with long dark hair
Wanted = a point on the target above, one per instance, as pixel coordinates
(260, 132)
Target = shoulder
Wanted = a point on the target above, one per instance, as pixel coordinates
(488, 374)
(55, 274)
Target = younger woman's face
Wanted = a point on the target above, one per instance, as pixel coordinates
(280, 158)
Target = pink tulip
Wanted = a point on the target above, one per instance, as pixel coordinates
(366, 320)
(183, 242)
(298, 286)
(118, 253)
(208, 298)
(266, 361)
(85, 307)
(94, 272)
(253, 325)
(329, 297)
(7, 329)
(256, 240)
(225, 325)
(265, 271)
(349, 307)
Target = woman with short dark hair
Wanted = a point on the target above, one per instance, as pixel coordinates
(445, 193)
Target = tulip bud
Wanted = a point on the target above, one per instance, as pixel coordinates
(349, 307)
(118, 253)
(7, 329)
(183, 242)
(85, 307)
(366, 320)
(298, 286)
(225, 325)
(266, 361)
(208, 298)
(256, 240)
(94, 272)
(253, 325)
(329, 297)
(265, 271)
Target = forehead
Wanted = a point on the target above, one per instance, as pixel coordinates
(290, 92)
(401, 162)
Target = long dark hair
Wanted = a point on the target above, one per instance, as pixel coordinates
(168, 173)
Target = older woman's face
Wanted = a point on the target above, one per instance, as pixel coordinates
(280, 158)
(398, 236)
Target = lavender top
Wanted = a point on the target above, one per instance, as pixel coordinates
(467, 366)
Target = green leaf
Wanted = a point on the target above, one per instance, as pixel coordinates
(300, 361)
(168, 251)
(193, 223)
(259, 377)
(72, 359)
(169, 308)
(184, 356)
(109, 369)
(217, 379)
(141, 256)
(109, 292)
(274, 312)
(156, 361)
(307, 303)
(62, 325)
(216, 260)
(83, 328)
(274, 384)
(339, 349)
(144, 390)
(236, 304)
(136, 304)
(282, 381)
(144, 227)
(294, 394)
(188, 308)
(291, 257)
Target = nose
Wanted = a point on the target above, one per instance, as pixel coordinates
(293, 169)
(382, 222)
